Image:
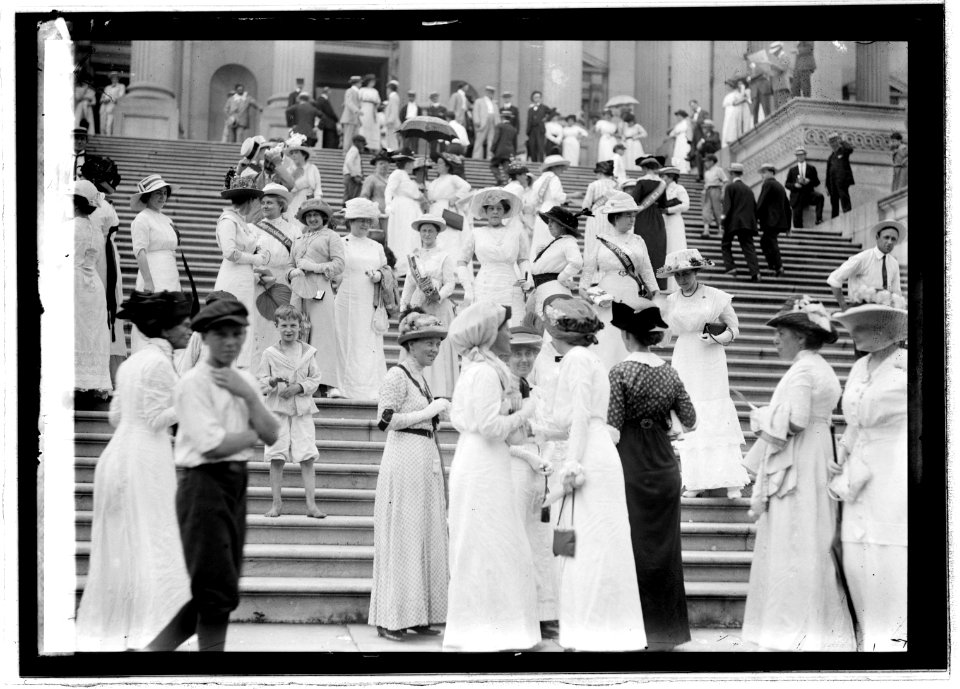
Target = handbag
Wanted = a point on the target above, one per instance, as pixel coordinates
(714, 328)
(381, 321)
(454, 220)
(565, 540)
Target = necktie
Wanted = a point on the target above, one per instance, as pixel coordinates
(883, 270)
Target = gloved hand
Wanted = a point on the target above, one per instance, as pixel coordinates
(307, 265)
(438, 407)
(295, 273)
(724, 338)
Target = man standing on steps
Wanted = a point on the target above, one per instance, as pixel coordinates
(295, 94)
(485, 119)
(237, 110)
(328, 123)
(773, 217)
(302, 118)
(458, 103)
(536, 127)
(350, 117)
(697, 118)
(839, 175)
(708, 144)
(740, 220)
(802, 181)
(509, 111)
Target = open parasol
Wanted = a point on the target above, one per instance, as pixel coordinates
(272, 298)
(428, 128)
(621, 100)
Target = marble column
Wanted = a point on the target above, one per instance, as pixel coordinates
(430, 69)
(291, 59)
(827, 81)
(653, 90)
(150, 108)
(563, 75)
(873, 72)
(621, 68)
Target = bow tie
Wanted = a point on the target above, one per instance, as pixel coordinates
(558, 359)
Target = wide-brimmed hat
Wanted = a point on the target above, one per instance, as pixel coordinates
(148, 185)
(878, 325)
(568, 220)
(802, 313)
(355, 78)
(151, 308)
(892, 225)
(383, 154)
(420, 326)
(684, 259)
(571, 319)
(272, 298)
(492, 195)
(637, 321)
(250, 145)
(274, 189)
(359, 208)
(736, 167)
(102, 171)
(290, 148)
(85, 190)
(619, 202)
(429, 220)
(402, 156)
(648, 162)
(241, 187)
(314, 205)
(627, 184)
(525, 336)
(420, 162)
(604, 166)
(682, 113)
(553, 161)
(218, 313)
(670, 170)
(517, 167)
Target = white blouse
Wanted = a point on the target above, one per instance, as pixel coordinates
(561, 256)
(603, 261)
(152, 231)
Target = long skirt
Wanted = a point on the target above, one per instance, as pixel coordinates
(650, 226)
(319, 313)
(528, 490)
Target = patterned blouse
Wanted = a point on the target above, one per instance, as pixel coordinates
(641, 391)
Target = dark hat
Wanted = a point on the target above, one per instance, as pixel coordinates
(102, 171)
(146, 309)
(403, 155)
(564, 217)
(571, 319)
(649, 163)
(220, 312)
(641, 322)
(79, 131)
(382, 154)
(802, 313)
(240, 187)
(217, 295)
(682, 113)
(604, 166)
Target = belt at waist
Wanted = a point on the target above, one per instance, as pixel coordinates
(544, 277)
(416, 431)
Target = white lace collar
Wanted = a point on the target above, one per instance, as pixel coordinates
(647, 358)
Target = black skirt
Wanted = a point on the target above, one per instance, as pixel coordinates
(653, 485)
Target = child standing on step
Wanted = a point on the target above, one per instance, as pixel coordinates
(289, 376)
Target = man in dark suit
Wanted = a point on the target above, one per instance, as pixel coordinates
(804, 66)
(503, 149)
(697, 117)
(434, 108)
(410, 108)
(740, 220)
(328, 122)
(295, 94)
(839, 175)
(709, 142)
(509, 111)
(761, 91)
(302, 118)
(802, 181)
(773, 217)
(536, 127)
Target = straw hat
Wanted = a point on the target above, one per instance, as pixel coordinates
(420, 326)
(148, 185)
(874, 326)
(359, 208)
(429, 220)
(804, 314)
(86, 191)
(892, 225)
(648, 163)
(274, 189)
(295, 143)
(736, 167)
(800, 149)
(318, 205)
(619, 202)
(554, 161)
(685, 259)
(670, 170)
(240, 187)
(769, 166)
(492, 195)
(250, 145)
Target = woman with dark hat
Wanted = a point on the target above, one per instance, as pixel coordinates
(644, 390)
(600, 607)
(871, 474)
(154, 242)
(795, 601)
(137, 579)
(651, 202)
(91, 337)
(402, 197)
(375, 185)
(556, 263)
(520, 185)
(410, 572)
(242, 257)
(593, 198)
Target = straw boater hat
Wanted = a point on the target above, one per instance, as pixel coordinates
(619, 202)
(880, 319)
(568, 220)
(707, 123)
(525, 336)
(241, 187)
(429, 220)
(358, 208)
(890, 225)
(769, 166)
(736, 167)
(148, 185)
(627, 184)
(800, 149)
(420, 326)
(670, 170)
(85, 191)
(250, 146)
(492, 195)
(804, 314)
(318, 205)
(274, 189)
(685, 259)
(554, 161)
(637, 321)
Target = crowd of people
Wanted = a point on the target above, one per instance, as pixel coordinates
(566, 418)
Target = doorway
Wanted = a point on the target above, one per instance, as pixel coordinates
(221, 86)
(335, 71)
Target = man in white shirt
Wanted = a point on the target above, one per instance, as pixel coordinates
(461, 131)
(874, 268)
(350, 117)
(485, 120)
(353, 169)
(391, 115)
(458, 104)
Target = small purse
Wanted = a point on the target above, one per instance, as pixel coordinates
(714, 328)
(565, 540)
(454, 220)
(381, 321)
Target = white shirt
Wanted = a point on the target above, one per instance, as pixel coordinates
(866, 268)
(460, 130)
(411, 111)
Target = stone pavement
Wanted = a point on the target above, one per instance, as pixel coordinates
(276, 637)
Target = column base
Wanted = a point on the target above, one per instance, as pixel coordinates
(147, 118)
(273, 119)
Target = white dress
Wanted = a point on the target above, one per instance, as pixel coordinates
(562, 257)
(499, 250)
(137, 578)
(608, 140)
(263, 331)
(711, 455)
(91, 353)
(571, 143)
(593, 198)
(444, 193)
(631, 139)
(369, 126)
(548, 192)
(681, 145)
(361, 364)
(402, 197)
(306, 185)
(674, 225)
(237, 241)
(874, 526)
(737, 117)
(492, 597)
(104, 218)
(601, 266)
(599, 600)
(153, 232)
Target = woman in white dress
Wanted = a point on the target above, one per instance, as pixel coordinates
(91, 353)
(112, 93)
(492, 597)
(137, 579)
(361, 364)
(521, 186)
(602, 267)
(402, 197)
(632, 133)
(572, 134)
(599, 599)
(429, 284)
(502, 249)
(154, 243)
(275, 236)
(448, 192)
(795, 601)
(596, 195)
(737, 114)
(681, 144)
(710, 456)
(553, 134)
(369, 104)
(547, 192)
(873, 468)
(607, 131)
(242, 257)
(678, 203)
(306, 177)
(556, 264)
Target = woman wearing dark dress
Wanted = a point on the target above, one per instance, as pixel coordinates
(643, 391)
(649, 195)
